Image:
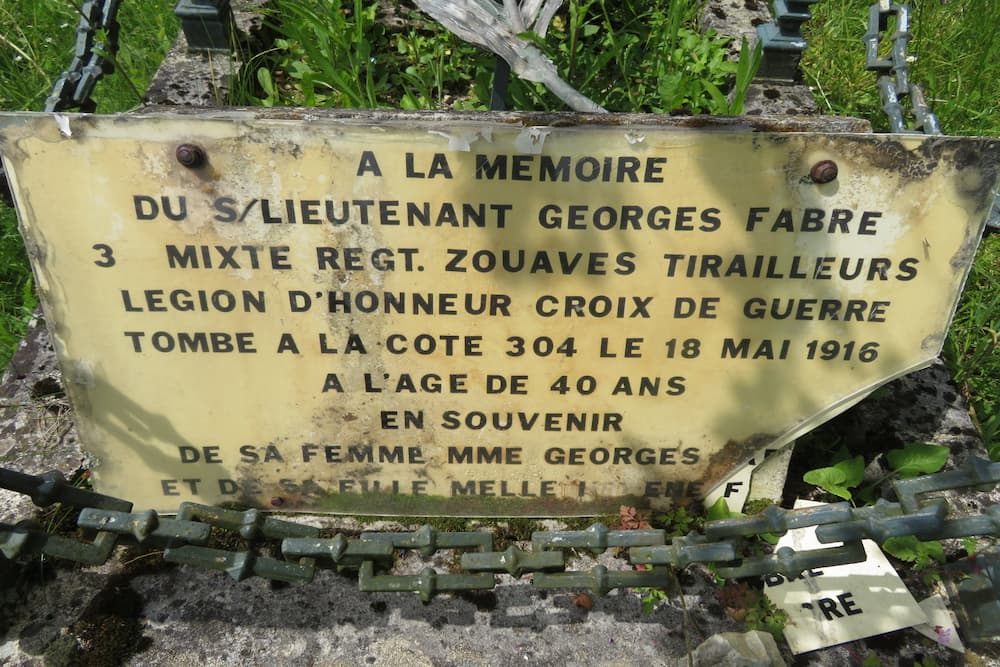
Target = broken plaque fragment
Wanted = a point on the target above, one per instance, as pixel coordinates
(842, 603)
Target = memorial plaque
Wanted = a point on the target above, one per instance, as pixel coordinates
(476, 316)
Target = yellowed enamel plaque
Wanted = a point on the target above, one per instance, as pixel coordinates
(476, 318)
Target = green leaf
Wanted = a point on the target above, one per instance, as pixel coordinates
(534, 38)
(970, 545)
(935, 550)
(912, 550)
(749, 63)
(830, 479)
(720, 510)
(267, 85)
(871, 661)
(719, 102)
(918, 458)
(651, 599)
(408, 101)
(838, 479)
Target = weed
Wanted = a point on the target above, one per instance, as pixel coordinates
(753, 608)
(678, 522)
(429, 78)
(629, 518)
(908, 548)
(746, 70)
(757, 505)
(916, 458)
(58, 518)
(513, 530)
(913, 459)
(839, 478)
(691, 68)
(651, 598)
(720, 510)
(971, 545)
(647, 59)
(766, 616)
(973, 342)
(326, 53)
(626, 57)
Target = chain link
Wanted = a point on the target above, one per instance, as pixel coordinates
(894, 83)
(93, 57)
(894, 71)
(289, 551)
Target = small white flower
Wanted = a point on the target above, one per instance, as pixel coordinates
(911, 59)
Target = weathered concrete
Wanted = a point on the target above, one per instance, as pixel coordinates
(36, 427)
(750, 649)
(206, 79)
(149, 613)
(739, 19)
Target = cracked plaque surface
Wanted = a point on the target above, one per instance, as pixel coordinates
(478, 317)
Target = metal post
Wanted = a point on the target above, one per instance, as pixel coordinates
(783, 41)
(207, 24)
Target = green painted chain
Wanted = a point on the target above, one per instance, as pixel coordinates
(304, 550)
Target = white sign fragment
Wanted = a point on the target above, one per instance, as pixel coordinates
(736, 488)
(940, 625)
(840, 604)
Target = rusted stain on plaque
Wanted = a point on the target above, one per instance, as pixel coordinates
(477, 317)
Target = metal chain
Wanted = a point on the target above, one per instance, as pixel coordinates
(894, 84)
(651, 553)
(93, 57)
(894, 72)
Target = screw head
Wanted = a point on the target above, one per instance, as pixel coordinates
(823, 171)
(190, 156)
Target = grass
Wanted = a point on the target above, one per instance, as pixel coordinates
(626, 56)
(36, 45)
(973, 347)
(955, 52)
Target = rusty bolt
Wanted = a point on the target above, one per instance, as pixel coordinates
(823, 171)
(190, 156)
(277, 501)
